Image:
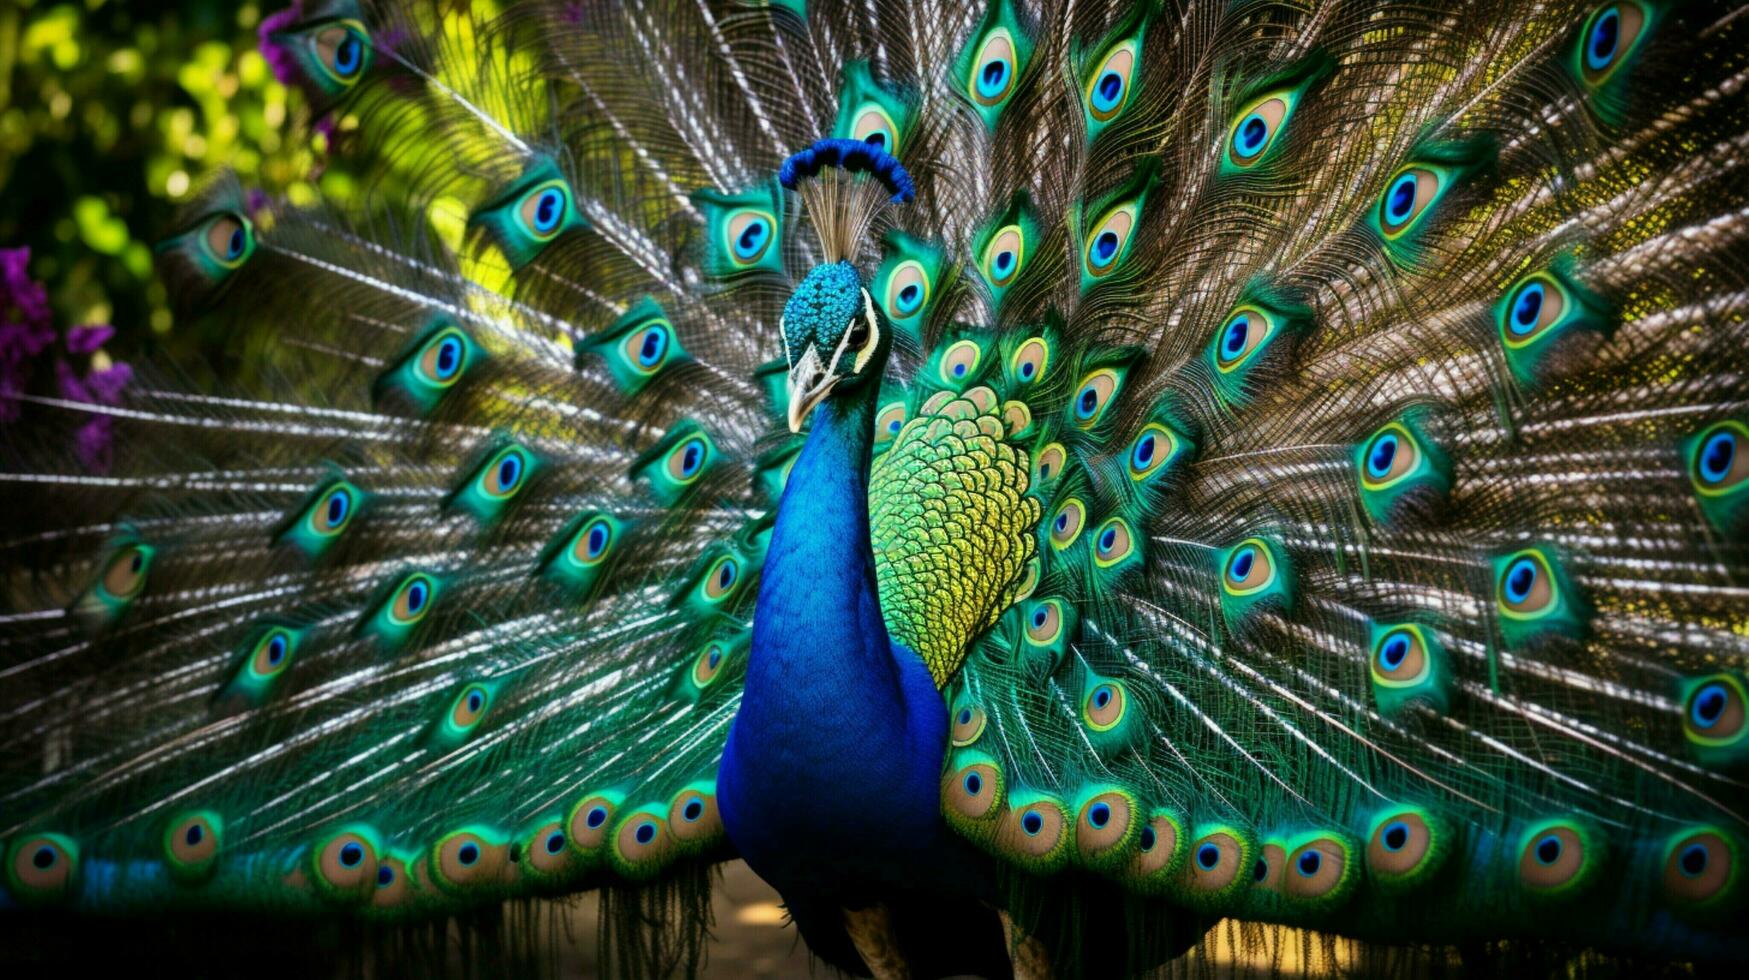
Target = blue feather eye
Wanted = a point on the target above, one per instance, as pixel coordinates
(1534, 596)
(530, 214)
(1066, 525)
(1718, 463)
(1114, 545)
(1525, 585)
(412, 600)
(1108, 240)
(875, 126)
(1107, 90)
(1607, 40)
(592, 542)
(995, 69)
(1714, 716)
(1257, 127)
(343, 50)
(907, 289)
(1093, 395)
(687, 459)
(228, 239)
(1407, 197)
(1249, 569)
(1004, 254)
(1245, 332)
(960, 361)
(544, 209)
(444, 357)
(749, 235)
(1104, 706)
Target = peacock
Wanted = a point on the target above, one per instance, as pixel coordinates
(1033, 479)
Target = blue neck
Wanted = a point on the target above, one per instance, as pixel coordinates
(818, 609)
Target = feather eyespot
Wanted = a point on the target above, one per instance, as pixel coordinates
(748, 235)
(1407, 197)
(1045, 622)
(708, 664)
(1214, 862)
(968, 724)
(1113, 544)
(874, 126)
(1719, 463)
(1403, 848)
(333, 509)
(720, 581)
(1317, 870)
(503, 476)
(544, 209)
(1390, 456)
(1536, 304)
(1527, 588)
(960, 361)
(1030, 360)
(42, 867)
(1066, 525)
(994, 69)
(124, 575)
(467, 858)
(191, 844)
(345, 864)
(592, 542)
(972, 791)
(1257, 127)
(1399, 659)
(1713, 713)
(1150, 450)
(272, 653)
(546, 851)
(343, 50)
(888, 421)
(907, 289)
(647, 349)
(1003, 256)
(412, 599)
(693, 817)
(229, 239)
(1700, 867)
(1093, 395)
(1557, 856)
(1104, 706)
(687, 459)
(1157, 845)
(1249, 569)
(469, 708)
(590, 821)
(1244, 333)
(1110, 238)
(443, 358)
(1103, 824)
(1108, 90)
(1609, 36)
(1048, 464)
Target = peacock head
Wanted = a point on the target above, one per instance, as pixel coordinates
(833, 338)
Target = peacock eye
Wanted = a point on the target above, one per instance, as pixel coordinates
(1246, 331)
(1257, 127)
(1103, 707)
(968, 725)
(1250, 568)
(1044, 623)
(687, 460)
(1714, 711)
(544, 209)
(960, 360)
(1113, 544)
(333, 509)
(272, 653)
(1407, 197)
(1150, 450)
(1066, 525)
(889, 421)
(993, 69)
(1390, 455)
(412, 600)
(646, 349)
(1316, 869)
(593, 539)
(1700, 866)
(469, 707)
(1554, 857)
(124, 575)
(229, 238)
(191, 844)
(1533, 306)
(1093, 395)
(1049, 463)
(1109, 88)
(1111, 238)
(1609, 36)
(1526, 587)
(707, 664)
(341, 50)
(501, 477)
(749, 235)
(907, 289)
(1400, 657)
(443, 358)
(1004, 254)
(875, 127)
(1719, 463)
(1030, 359)
(721, 579)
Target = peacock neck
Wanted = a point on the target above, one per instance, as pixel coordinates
(818, 609)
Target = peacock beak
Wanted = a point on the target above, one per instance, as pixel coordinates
(809, 384)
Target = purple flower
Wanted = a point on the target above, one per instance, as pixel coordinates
(282, 61)
(25, 327)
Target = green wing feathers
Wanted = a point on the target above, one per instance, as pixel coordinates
(951, 524)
